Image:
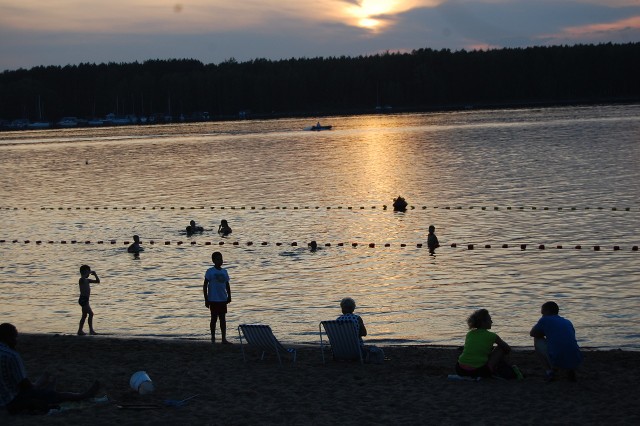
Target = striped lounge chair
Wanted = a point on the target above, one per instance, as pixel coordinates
(343, 338)
(261, 337)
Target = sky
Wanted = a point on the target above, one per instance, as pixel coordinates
(70, 32)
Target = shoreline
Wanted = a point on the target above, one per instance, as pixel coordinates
(348, 112)
(410, 387)
(304, 345)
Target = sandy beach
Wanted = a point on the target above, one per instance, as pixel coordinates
(410, 387)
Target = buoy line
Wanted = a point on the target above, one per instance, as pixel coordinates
(474, 246)
(383, 207)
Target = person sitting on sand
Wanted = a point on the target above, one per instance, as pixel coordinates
(18, 393)
(193, 228)
(479, 358)
(348, 305)
(135, 246)
(554, 340)
(399, 204)
(224, 229)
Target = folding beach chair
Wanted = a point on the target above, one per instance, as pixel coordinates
(261, 337)
(343, 338)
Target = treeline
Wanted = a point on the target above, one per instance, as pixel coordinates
(421, 80)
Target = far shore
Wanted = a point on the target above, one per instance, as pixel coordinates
(9, 124)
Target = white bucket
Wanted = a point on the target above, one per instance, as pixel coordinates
(141, 383)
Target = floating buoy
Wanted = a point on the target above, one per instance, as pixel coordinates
(372, 245)
(634, 248)
(61, 242)
(578, 247)
(387, 245)
(403, 245)
(221, 243)
(419, 245)
(596, 248)
(294, 244)
(26, 241)
(207, 243)
(470, 247)
(454, 245)
(615, 248)
(354, 244)
(166, 243)
(487, 246)
(264, 243)
(505, 246)
(278, 244)
(193, 243)
(235, 243)
(541, 247)
(38, 242)
(523, 246)
(340, 244)
(152, 242)
(87, 242)
(559, 246)
(327, 245)
(249, 243)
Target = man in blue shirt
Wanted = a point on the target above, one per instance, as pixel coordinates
(555, 342)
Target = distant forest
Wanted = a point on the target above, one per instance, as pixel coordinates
(422, 80)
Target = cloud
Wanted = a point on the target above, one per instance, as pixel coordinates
(60, 32)
(623, 30)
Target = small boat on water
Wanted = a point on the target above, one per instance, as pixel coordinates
(318, 127)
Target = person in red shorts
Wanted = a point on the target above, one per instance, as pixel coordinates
(217, 295)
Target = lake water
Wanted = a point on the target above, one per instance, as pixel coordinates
(557, 176)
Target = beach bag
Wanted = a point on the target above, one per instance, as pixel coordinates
(373, 355)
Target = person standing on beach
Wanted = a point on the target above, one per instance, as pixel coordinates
(554, 340)
(85, 292)
(432, 240)
(17, 392)
(479, 358)
(217, 295)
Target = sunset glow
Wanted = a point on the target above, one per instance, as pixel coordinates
(34, 32)
(633, 22)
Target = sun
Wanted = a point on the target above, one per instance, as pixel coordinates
(366, 12)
